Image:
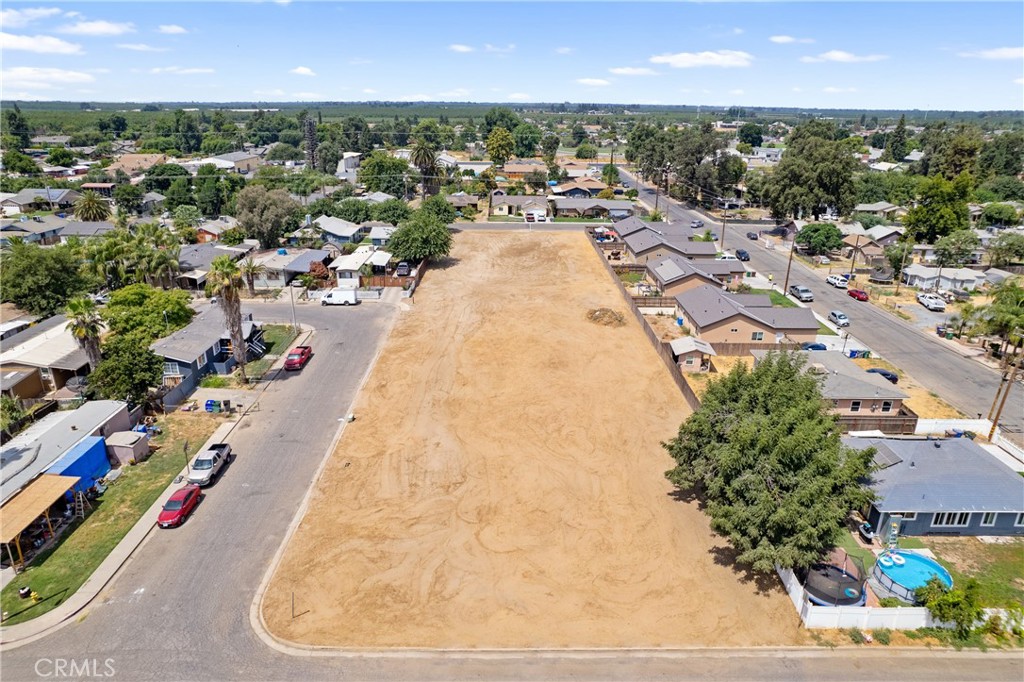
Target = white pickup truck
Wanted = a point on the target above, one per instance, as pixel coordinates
(208, 463)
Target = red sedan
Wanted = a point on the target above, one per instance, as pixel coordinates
(858, 294)
(179, 506)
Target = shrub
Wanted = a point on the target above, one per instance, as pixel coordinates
(856, 636)
(891, 602)
(883, 636)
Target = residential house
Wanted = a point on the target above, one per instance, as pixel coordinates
(35, 199)
(974, 213)
(518, 169)
(348, 166)
(194, 261)
(349, 267)
(593, 208)
(135, 165)
(926, 254)
(692, 354)
(284, 265)
(995, 276)
(881, 209)
(84, 230)
(674, 274)
(37, 229)
(241, 162)
(50, 141)
(582, 188)
(477, 167)
(885, 166)
(152, 203)
(104, 189)
(380, 233)
(864, 249)
(914, 156)
(8, 210)
(461, 200)
(944, 279)
(769, 155)
(948, 486)
(376, 197)
(720, 317)
(503, 204)
(49, 347)
(21, 384)
(14, 326)
(211, 230)
(577, 169)
(340, 231)
(646, 245)
(203, 347)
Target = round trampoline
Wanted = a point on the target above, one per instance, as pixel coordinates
(900, 573)
(831, 584)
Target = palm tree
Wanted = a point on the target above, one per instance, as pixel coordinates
(91, 207)
(250, 269)
(85, 325)
(424, 158)
(225, 279)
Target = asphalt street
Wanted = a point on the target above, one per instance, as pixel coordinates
(962, 382)
(180, 608)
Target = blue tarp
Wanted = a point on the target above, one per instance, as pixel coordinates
(87, 460)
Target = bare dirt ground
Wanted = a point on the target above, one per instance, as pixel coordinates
(503, 484)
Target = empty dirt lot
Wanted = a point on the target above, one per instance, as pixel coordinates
(503, 483)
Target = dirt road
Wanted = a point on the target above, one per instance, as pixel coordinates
(503, 483)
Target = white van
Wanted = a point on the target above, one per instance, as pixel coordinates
(340, 297)
(725, 255)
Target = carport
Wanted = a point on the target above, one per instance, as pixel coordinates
(24, 508)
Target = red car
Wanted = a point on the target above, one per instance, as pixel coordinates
(858, 294)
(179, 506)
(298, 357)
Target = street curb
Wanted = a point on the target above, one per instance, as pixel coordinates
(111, 567)
(256, 621)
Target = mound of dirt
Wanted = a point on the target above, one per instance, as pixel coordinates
(606, 317)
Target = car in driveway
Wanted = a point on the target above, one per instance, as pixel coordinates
(298, 357)
(838, 281)
(801, 293)
(742, 254)
(932, 302)
(178, 507)
(858, 294)
(813, 345)
(725, 255)
(888, 375)
(838, 318)
(752, 236)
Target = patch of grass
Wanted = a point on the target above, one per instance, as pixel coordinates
(778, 298)
(824, 330)
(277, 338)
(849, 544)
(57, 573)
(631, 277)
(215, 381)
(997, 567)
(856, 636)
(883, 636)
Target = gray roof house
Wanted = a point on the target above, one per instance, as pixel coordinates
(570, 207)
(84, 230)
(947, 486)
(676, 274)
(646, 245)
(194, 261)
(723, 318)
(31, 198)
(339, 231)
(376, 197)
(37, 229)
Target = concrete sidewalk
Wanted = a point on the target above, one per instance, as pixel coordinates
(23, 633)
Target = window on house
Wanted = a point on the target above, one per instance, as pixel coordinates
(988, 519)
(1020, 520)
(757, 336)
(855, 406)
(953, 519)
(689, 360)
(886, 406)
(907, 516)
(171, 368)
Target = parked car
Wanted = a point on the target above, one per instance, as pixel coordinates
(932, 302)
(752, 236)
(694, 224)
(179, 506)
(838, 281)
(340, 297)
(858, 294)
(823, 260)
(725, 255)
(208, 463)
(298, 357)
(813, 345)
(838, 318)
(402, 269)
(891, 377)
(742, 254)
(801, 293)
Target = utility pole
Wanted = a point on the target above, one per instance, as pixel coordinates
(899, 277)
(291, 297)
(1006, 394)
(789, 266)
(853, 256)
(725, 221)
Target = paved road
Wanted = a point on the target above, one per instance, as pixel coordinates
(180, 608)
(963, 383)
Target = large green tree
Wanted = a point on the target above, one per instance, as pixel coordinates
(128, 198)
(527, 137)
(815, 175)
(148, 310)
(40, 280)
(381, 172)
(500, 146)
(764, 454)
(751, 133)
(499, 117)
(896, 147)
(1000, 214)
(941, 209)
(353, 210)
(91, 207)
(439, 208)
(128, 369)
(956, 248)
(391, 211)
(263, 215)
(820, 238)
(225, 282)
(1005, 249)
(421, 237)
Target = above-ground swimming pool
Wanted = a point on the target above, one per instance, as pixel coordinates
(900, 573)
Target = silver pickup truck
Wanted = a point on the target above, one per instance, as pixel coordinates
(208, 463)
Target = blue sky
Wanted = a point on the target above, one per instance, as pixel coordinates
(866, 55)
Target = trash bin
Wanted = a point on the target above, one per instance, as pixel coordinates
(211, 405)
(949, 335)
(226, 404)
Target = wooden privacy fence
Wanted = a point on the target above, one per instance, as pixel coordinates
(653, 301)
(392, 281)
(743, 349)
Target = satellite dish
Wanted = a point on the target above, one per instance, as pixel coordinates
(77, 385)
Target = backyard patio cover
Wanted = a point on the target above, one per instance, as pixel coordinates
(28, 505)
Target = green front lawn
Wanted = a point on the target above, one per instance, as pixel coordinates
(277, 338)
(778, 298)
(58, 572)
(824, 330)
(998, 568)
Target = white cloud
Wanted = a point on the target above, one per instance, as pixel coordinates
(40, 78)
(277, 92)
(456, 92)
(593, 81)
(38, 44)
(307, 95)
(721, 58)
(738, 31)
(786, 40)
(369, 91)
(737, 91)
(97, 28)
(303, 71)
(17, 18)
(501, 50)
(997, 53)
(141, 47)
(833, 90)
(518, 97)
(564, 50)
(171, 29)
(180, 71)
(1019, 81)
(460, 48)
(632, 71)
(843, 57)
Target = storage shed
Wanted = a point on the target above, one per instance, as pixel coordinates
(125, 446)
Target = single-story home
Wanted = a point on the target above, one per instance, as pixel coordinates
(42, 199)
(37, 229)
(882, 209)
(348, 166)
(518, 169)
(925, 253)
(593, 208)
(944, 279)
(84, 230)
(583, 188)
(948, 486)
(692, 354)
(577, 169)
(49, 347)
(348, 268)
(646, 245)
(376, 197)
(210, 230)
(504, 204)
(21, 383)
(241, 162)
(340, 231)
(136, 164)
(865, 249)
(201, 348)
(995, 276)
(461, 200)
(194, 261)
(152, 202)
(380, 233)
(104, 189)
(674, 274)
(284, 265)
(720, 317)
